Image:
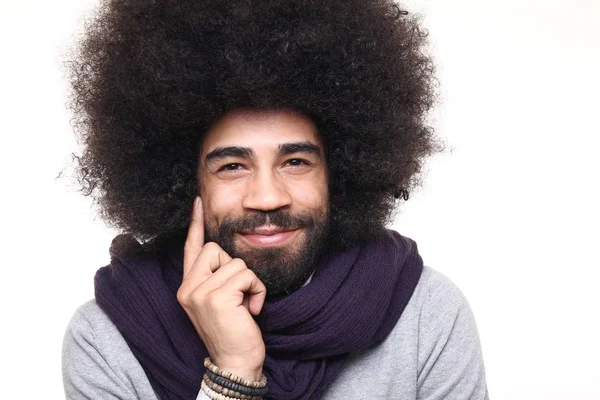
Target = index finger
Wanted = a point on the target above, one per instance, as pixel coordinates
(195, 237)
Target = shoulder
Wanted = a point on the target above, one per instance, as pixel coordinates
(434, 305)
(436, 294)
(449, 358)
(436, 311)
(443, 311)
(96, 360)
(92, 326)
(89, 315)
(431, 354)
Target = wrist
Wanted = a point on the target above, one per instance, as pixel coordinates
(242, 368)
(236, 383)
(251, 374)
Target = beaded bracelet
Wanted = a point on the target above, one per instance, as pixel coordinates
(214, 395)
(228, 392)
(231, 377)
(235, 386)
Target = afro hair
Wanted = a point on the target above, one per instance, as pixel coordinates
(149, 77)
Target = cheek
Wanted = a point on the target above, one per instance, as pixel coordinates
(310, 195)
(220, 202)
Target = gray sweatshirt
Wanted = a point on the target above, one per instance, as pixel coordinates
(433, 353)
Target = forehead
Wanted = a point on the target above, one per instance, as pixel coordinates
(260, 129)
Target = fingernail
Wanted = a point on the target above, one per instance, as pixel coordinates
(196, 202)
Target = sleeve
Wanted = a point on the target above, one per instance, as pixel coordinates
(449, 357)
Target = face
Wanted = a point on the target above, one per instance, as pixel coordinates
(263, 183)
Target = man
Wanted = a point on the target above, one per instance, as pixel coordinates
(257, 150)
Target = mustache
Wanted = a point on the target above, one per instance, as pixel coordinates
(281, 219)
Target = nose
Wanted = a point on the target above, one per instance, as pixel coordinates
(266, 192)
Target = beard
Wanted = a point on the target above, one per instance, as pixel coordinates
(282, 269)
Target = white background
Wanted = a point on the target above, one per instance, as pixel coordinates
(511, 215)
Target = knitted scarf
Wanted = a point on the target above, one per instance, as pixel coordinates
(353, 302)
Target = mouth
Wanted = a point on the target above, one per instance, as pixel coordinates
(268, 235)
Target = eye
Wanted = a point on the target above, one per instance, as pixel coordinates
(230, 167)
(297, 162)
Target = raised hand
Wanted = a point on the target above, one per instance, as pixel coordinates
(220, 295)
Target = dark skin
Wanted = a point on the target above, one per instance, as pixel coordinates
(217, 290)
(254, 161)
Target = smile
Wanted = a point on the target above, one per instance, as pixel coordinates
(268, 236)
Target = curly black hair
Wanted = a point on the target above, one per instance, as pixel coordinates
(149, 77)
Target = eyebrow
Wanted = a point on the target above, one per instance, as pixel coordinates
(247, 152)
(229, 151)
(299, 147)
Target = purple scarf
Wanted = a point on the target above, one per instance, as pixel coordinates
(353, 302)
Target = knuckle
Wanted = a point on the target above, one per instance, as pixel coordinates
(248, 274)
(211, 247)
(238, 260)
(239, 263)
(190, 299)
(182, 297)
